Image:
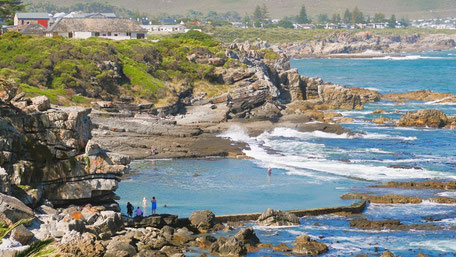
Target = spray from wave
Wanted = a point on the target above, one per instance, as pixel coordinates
(298, 153)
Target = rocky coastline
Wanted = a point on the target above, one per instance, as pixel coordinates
(366, 45)
(60, 166)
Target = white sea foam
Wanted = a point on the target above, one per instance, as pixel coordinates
(436, 245)
(288, 132)
(451, 194)
(236, 133)
(408, 57)
(303, 158)
(441, 101)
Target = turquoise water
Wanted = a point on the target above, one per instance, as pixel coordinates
(226, 186)
(415, 71)
(312, 170)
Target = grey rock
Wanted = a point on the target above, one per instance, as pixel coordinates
(14, 209)
(41, 103)
(22, 234)
(277, 218)
(202, 220)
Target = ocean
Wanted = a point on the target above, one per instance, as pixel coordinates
(312, 170)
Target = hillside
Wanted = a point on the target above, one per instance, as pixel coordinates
(280, 8)
(79, 71)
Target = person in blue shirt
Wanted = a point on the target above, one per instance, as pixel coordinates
(154, 205)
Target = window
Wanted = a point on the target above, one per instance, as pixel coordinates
(70, 34)
(104, 35)
(115, 35)
(109, 34)
(128, 34)
(97, 34)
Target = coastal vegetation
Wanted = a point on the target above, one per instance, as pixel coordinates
(283, 35)
(67, 70)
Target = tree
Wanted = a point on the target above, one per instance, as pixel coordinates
(285, 23)
(357, 16)
(336, 18)
(257, 17)
(265, 12)
(379, 18)
(8, 9)
(404, 22)
(392, 21)
(347, 16)
(322, 18)
(246, 20)
(302, 17)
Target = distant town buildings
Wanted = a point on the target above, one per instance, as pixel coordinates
(77, 25)
(179, 28)
(443, 23)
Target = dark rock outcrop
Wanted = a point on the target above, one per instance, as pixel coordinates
(365, 224)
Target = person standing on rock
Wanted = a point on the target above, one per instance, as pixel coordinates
(129, 209)
(144, 202)
(154, 205)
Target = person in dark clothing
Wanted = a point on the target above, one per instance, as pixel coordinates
(130, 209)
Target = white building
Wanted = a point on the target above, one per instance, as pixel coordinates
(380, 25)
(303, 26)
(110, 28)
(179, 28)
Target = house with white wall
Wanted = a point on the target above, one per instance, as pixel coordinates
(110, 28)
(178, 28)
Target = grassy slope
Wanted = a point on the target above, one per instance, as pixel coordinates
(280, 8)
(71, 71)
(280, 35)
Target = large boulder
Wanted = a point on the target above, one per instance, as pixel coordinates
(8, 90)
(81, 245)
(247, 236)
(277, 218)
(107, 224)
(304, 246)
(120, 247)
(339, 97)
(236, 245)
(14, 209)
(202, 220)
(424, 118)
(41, 103)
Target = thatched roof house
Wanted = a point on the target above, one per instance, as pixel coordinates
(34, 29)
(112, 28)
